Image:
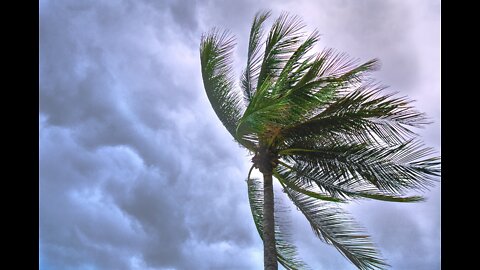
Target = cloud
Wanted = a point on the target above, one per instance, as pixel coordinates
(136, 172)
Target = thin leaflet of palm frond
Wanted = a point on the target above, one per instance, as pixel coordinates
(254, 56)
(333, 226)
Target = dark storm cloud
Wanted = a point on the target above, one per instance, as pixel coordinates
(136, 172)
(75, 223)
(128, 150)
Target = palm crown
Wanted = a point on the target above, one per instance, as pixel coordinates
(321, 127)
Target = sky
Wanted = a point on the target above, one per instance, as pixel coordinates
(137, 172)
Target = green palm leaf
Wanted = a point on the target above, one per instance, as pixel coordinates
(354, 190)
(215, 57)
(254, 56)
(363, 115)
(394, 169)
(283, 38)
(331, 225)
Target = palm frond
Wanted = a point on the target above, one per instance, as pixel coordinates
(395, 169)
(345, 191)
(281, 42)
(287, 253)
(297, 65)
(331, 70)
(331, 225)
(216, 65)
(254, 56)
(365, 114)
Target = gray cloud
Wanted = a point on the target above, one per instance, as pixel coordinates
(136, 172)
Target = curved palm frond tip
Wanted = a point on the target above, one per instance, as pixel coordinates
(319, 125)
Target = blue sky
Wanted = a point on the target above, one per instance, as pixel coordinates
(137, 172)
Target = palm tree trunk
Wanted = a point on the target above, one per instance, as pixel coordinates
(269, 250)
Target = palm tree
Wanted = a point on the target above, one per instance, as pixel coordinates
(322, 128)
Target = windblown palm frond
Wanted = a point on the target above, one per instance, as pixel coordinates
(215, 57)
(254, 56)
(392, 169)
(334, 227)
(312, 182)
(282, 40)
(365, 115)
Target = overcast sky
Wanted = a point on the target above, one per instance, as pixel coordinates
(137, 172)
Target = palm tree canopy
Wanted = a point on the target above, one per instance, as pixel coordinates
(331, 132)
